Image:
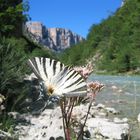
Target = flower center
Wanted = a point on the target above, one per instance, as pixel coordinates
(50, 90)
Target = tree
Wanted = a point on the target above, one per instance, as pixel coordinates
(11, 17)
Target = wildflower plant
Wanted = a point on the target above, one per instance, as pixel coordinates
(67, 84)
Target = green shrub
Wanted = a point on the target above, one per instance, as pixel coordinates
(13, 69)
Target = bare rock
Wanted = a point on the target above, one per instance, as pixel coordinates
(106, 129)
(117, 120)
(56, 39)
(112, 110)
(100, 106)
(48, 125)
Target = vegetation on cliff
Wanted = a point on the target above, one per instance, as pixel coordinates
(114, 44)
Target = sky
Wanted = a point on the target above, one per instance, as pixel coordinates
(76, 15)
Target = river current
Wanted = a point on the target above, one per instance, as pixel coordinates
(123, 94)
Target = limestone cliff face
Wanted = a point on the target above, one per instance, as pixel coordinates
(123, 2)
(56, 39)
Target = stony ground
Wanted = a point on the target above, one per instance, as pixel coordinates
(48, 125)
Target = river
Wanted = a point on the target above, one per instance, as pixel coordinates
(123, 94)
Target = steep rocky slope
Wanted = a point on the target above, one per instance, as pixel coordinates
(56, 39)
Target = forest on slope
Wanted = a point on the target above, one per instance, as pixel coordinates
(113, 45)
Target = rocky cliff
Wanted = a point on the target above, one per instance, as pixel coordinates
(123, 2)
(56, 39)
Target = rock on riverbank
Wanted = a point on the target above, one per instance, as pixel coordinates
(48, 125)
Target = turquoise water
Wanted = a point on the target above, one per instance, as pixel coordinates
(123, 94)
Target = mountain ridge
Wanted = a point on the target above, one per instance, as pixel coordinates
(56, 39)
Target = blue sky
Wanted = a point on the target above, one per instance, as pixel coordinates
(76, 15)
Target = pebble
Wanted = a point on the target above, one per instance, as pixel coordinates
(117, 120)
(111, 110)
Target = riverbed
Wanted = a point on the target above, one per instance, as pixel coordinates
(123, 94)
